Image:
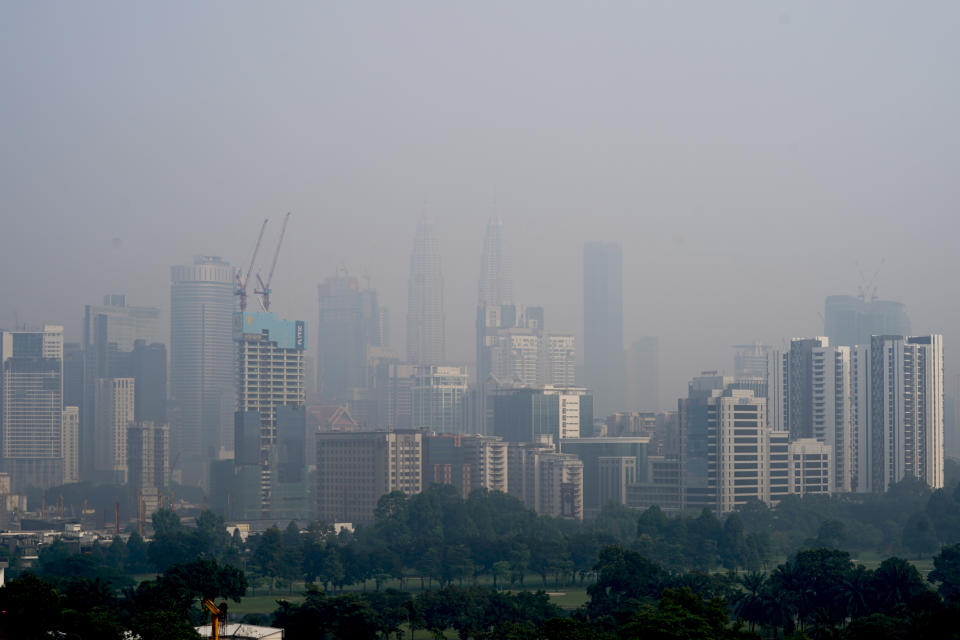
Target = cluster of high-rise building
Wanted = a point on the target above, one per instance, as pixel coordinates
(274, 434)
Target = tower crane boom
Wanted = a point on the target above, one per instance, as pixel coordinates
(243, 277)
(264, 290)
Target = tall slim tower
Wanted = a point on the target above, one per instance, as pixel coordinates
(603, 325)
(348, 325)
(496, 285)
(202, 362)
(425, 321)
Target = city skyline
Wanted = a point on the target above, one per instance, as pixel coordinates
(109, 182)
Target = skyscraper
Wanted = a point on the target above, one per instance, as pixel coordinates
(849, 320)
(496, 285)
(439, 398)
(31, 406)
(905, 437)
(202, 362)
(270, 422)
(348, 325)
(111, 332)
(426, 339)
(603, 325)
(114, 414)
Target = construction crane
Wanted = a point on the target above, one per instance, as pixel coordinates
(244, 276)
(218, 617)
(264, 290)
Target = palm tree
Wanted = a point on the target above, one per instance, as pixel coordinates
(749, 605)
(855, 592)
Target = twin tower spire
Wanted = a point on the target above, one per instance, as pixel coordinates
(426, 332)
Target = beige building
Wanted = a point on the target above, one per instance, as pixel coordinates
(70, 444)
(355, 469)
(114, 413)
(548, 482)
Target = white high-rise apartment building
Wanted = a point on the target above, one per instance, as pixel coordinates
(878, 407)
(31, 406)
(905, 436)
(426, 337)
(114, 411)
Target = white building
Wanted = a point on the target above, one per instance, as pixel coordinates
(905, 433)
(114, 405)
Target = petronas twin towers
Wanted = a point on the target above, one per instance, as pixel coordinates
(426, 333)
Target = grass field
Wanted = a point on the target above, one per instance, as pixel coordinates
(265, 604)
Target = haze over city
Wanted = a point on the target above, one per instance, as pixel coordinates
(751, 159)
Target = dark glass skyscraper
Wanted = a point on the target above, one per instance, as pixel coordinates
(348, 325)
(603, 326)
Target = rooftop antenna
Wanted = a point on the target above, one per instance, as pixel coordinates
(264, 290)
(243, 277)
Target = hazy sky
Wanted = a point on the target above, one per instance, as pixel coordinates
(747, 155)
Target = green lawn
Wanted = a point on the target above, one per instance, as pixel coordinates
(564, 597)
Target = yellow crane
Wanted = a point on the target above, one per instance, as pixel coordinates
(218, 617)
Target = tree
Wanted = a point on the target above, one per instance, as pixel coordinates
(895, 581)
(946, 571)
(163, 625)
(623, 579)
(919, 536)
(268, 554)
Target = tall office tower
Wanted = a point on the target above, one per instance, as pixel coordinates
(111, 332)
(724, 445)
(73, 374)
(148, 463)
(906, 411)
(148, 368)
(348, 326)
(270, 418)
(31, 412)
(500, 330)
(819, 392)
(603, 325)
(202, 363)
(70, 444)
(849, 320)
(439, 398)
(355, 469)
(114, 403)
(426, 337)
(496, 285)
(527, 414)
(643, 374)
